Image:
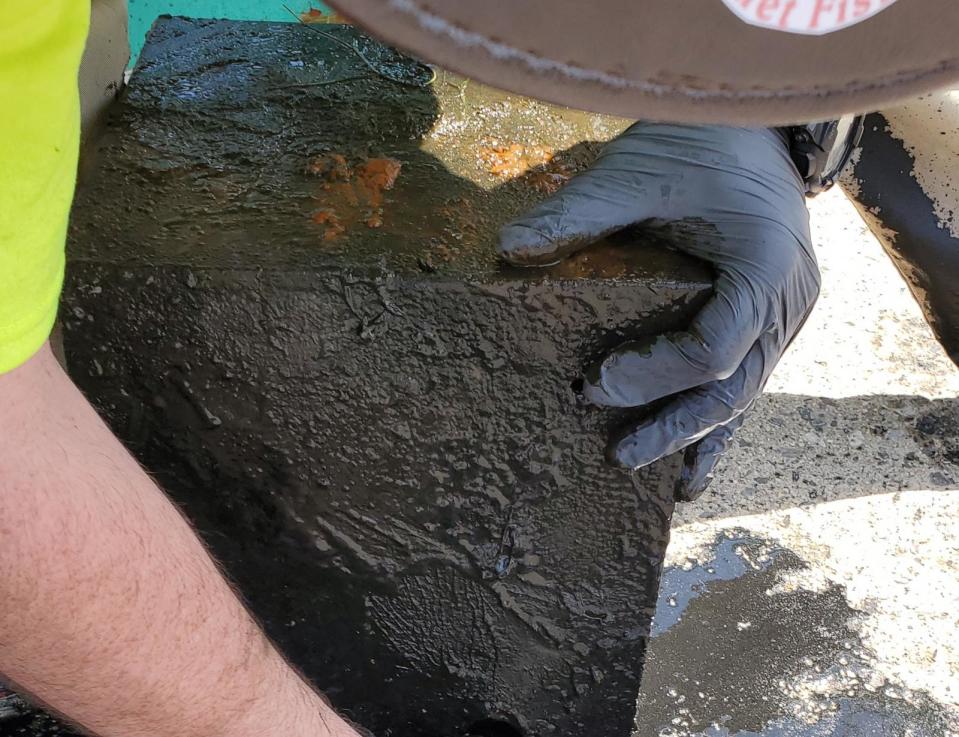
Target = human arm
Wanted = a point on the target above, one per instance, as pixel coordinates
(111, 611)
(114, 614)
(732, 197)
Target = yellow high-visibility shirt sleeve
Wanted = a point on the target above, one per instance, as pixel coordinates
(40, 48)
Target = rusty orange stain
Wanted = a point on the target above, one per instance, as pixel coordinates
(380, 174)
(351, 194)
(328, 217)
(514, 159)
(315, 15)
(376, 176)
(547, 182)
(330, 166)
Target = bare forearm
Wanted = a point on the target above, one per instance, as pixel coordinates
(113, 613)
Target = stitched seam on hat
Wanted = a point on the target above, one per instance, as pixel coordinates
(466, 37)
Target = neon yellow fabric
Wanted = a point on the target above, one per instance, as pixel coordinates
(40, 48)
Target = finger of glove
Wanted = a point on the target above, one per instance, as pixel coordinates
(711, 349)
(701, 458)
(594, 204)
(694, 414)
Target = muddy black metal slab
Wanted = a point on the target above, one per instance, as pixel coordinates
(283, 296)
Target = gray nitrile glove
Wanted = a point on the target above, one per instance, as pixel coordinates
(732, 197)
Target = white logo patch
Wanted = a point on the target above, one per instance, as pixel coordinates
(812, 17)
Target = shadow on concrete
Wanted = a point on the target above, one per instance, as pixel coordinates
(794, 451)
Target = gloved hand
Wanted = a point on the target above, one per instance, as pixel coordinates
(732, 197)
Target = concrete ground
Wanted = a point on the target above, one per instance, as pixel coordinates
(814, 590)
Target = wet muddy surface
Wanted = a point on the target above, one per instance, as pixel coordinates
(18, 719)
(233, 134)
(741, 648)
(907, 222)
(292, 313)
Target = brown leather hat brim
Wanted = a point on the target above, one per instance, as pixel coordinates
(691, 61)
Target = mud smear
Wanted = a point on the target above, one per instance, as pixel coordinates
(373, 427)
(904, 219)
(741, 650)
(18, 719)
(233, 136)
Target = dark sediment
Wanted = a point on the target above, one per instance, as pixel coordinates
(369, 419)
